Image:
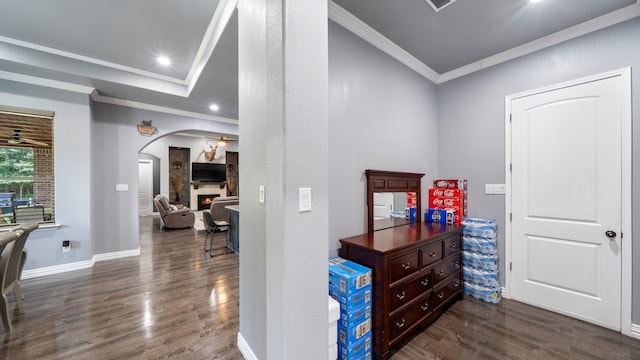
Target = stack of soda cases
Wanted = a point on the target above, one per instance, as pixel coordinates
(480, 259)
(350, 285)
(447, 201)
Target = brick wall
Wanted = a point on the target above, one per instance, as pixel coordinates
(43, 179)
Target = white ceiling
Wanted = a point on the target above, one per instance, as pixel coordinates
(111, 46)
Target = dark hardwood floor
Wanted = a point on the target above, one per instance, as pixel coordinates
(171, 302)
(175, 302)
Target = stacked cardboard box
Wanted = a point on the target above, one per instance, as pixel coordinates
(350, 285)
(480, 259)
(447, 201)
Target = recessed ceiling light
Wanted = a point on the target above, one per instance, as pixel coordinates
(164, 60)
(535, 1)
(214, 107)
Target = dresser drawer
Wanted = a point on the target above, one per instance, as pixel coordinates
(447, 288)
(401, 322)
(431, 253)
(405, 293)
(451, 245)
(446, 267)
(403, 265)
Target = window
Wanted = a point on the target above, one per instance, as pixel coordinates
(26, 163)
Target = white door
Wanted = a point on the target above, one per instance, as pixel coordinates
(145, 187)
(382, 205)
(567, 200)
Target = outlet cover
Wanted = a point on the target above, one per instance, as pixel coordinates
(494, 189)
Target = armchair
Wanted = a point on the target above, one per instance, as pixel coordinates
(172, 217)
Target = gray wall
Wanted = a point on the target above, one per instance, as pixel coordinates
(382, 115)
(72, 151)
(471, 117)
(116, 147)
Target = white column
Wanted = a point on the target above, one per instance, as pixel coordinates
(284, 145)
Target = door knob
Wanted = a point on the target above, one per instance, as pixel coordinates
(610, 234)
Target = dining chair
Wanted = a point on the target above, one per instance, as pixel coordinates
(7, 240)
(12, 263)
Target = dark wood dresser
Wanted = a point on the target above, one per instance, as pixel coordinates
(416, 276)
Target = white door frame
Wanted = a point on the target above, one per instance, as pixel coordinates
(627, 239)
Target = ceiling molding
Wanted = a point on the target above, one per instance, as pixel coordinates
(54, 84)
(612, 18)
(218, 23)
(373, 37)
(90, 60)
(95, 96)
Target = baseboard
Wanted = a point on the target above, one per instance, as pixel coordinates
(79, 265)
(635, 331)
(117, 255)
(245, 349)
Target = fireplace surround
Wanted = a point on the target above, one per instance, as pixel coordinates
(205, 200)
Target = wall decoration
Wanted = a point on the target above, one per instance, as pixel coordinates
(146, 129)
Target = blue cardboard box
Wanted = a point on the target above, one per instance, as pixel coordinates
(355, 316)
(349, 303)
(348, 277)
(349, 337)
(361, 349)
(441, 216)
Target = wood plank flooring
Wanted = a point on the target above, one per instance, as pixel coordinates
(171, 302)
(175, 302)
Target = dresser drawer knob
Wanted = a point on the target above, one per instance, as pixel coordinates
(456, 264)
(400, 324)
(433, 254)
(424, 282)
(424, 307)
(440, 295)
(453, 245)
(441, 273)
(406, 265)
(401, 295)
(456, 284)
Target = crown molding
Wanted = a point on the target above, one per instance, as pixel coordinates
(612, 18)
(89, 60)
(218, 23)
(95, 96)
(373, 37)
(54, 84)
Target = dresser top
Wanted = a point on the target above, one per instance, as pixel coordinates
(392, 239)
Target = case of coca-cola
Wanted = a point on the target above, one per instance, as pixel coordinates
(445, 193)
(450, 184)
(437, 201)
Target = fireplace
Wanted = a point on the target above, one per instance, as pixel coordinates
(205, 200)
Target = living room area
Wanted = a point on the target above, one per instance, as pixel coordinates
(189, 169)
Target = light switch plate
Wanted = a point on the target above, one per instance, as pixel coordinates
(304, 199)
(494, 189)
(122, 187)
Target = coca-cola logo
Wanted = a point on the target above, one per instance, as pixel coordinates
(448, 193)
(438, 192)
(438, 202)
(449, 202)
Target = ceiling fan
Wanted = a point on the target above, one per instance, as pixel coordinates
(16, 138)
(223, 140)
